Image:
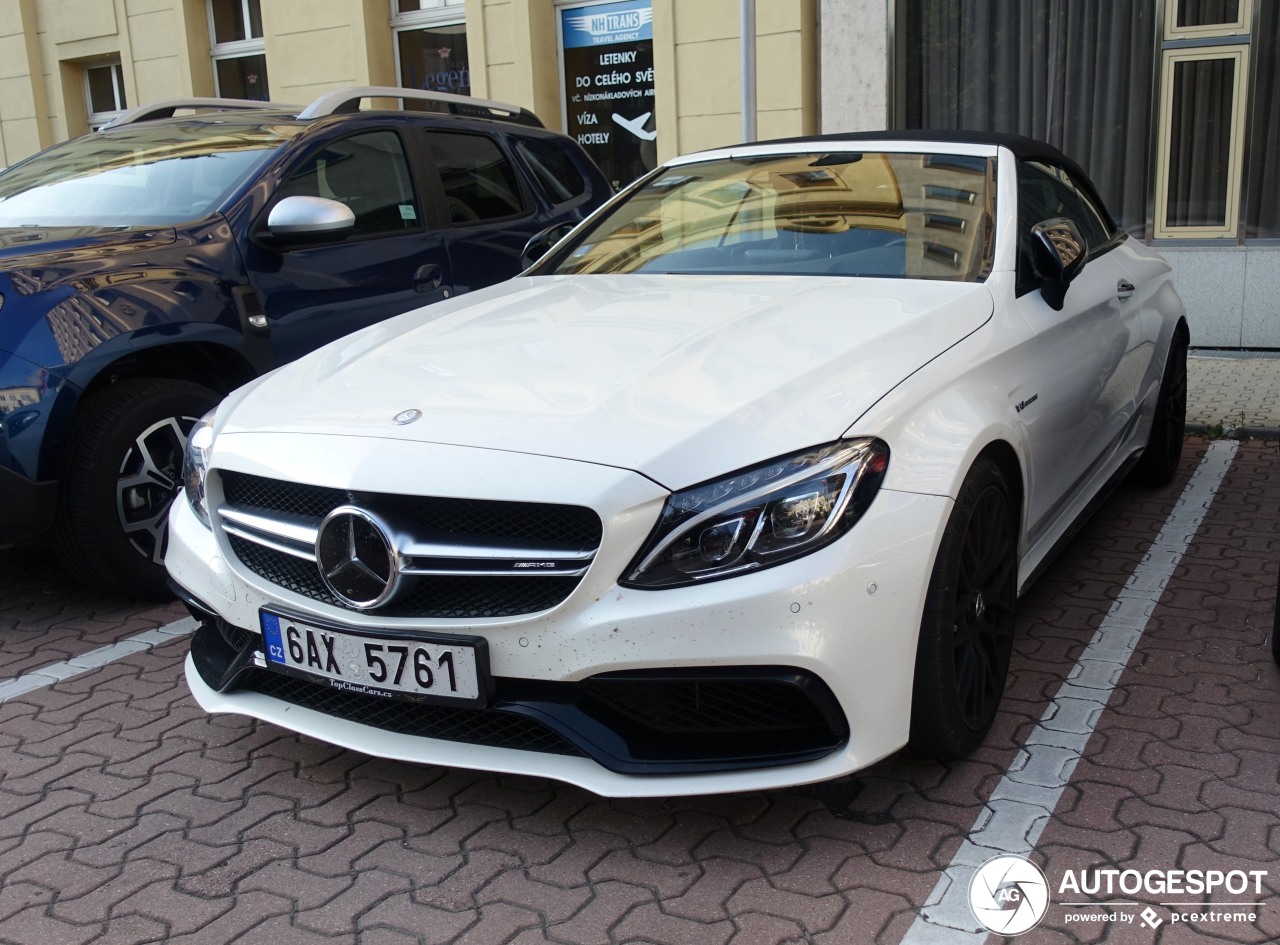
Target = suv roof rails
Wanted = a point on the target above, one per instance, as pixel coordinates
(167, 108)
(344, 101)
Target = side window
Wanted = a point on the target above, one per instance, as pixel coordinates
(1038, 200)
(552, 168)
(479, 182)
(1093, 221)
(368, 173)
(1045, 192)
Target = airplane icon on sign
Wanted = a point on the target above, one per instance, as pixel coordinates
(636, 126)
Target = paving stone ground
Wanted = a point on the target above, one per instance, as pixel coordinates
(129, 816)
(1235, 392)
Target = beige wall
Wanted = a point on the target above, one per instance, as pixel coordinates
(313, 46)
(703, 94)
(24, 125)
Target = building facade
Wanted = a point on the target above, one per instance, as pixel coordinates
(1173, 106)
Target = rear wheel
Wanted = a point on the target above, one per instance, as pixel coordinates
(966, 634)
(123, 470)
(1159, 462)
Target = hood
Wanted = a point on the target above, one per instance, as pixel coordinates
(39, 245)
(680, 378)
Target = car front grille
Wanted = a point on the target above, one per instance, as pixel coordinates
(451, 723)
(639, 722)
(525, 527)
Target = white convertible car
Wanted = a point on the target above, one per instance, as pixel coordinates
(735, 488)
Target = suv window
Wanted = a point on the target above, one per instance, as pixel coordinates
(479, 182)
(552, 168)
(367, 172)
(136, 176)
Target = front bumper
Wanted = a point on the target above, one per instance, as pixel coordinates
(840, 624)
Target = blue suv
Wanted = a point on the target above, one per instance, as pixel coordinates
(149, 268)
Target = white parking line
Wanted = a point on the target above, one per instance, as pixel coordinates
(94, 659)
(1025, 798)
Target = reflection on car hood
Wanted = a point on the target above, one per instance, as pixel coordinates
(681, 378)
(69, 242)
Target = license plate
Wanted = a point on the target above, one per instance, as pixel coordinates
(373, 664)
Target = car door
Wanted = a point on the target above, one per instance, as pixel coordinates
(318, 289)
(1088, 353)
(490, 212)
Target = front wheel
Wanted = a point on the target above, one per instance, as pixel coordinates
(966, 634)
(123, 470)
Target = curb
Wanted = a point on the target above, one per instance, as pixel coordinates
(1224, 431)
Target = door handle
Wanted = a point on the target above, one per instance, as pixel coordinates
(1124, 289)
(428, 277)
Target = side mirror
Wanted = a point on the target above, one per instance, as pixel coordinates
(299, 216)
(1064, 249)
(541, 243)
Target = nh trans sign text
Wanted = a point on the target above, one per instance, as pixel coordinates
(611, 23)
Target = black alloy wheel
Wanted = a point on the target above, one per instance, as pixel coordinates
(966, 634)
(1275, 629)
(1160, 460)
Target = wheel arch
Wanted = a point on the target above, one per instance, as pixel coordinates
(1002, 453)
(208, 362)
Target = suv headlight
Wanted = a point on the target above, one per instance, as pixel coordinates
(195, 465)
(761, 516)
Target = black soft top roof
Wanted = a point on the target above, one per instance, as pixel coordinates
(1023, 148)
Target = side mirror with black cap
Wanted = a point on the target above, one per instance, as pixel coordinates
(1062, 246)
(542, 242)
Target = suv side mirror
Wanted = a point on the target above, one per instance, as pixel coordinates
(1065, 250)
(309, 217)
(541, 243)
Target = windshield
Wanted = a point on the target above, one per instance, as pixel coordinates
(916, 216)
(136, 177)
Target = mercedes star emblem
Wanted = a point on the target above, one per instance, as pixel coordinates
(405, 417)
(357, 561)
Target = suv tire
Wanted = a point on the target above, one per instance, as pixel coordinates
(123, 470)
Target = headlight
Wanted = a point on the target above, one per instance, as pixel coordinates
(195, 465)
(761, 516)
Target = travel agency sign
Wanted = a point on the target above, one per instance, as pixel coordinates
(607, 75)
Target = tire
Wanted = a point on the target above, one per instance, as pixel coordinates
(123, 469)
(1159, 462)
(966, 633)
(1275, 630)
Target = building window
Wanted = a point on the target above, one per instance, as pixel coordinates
(104, 93)
(238, 53)
(1079, 75)
(1075, 74)
(1203, 92)
(431, 46)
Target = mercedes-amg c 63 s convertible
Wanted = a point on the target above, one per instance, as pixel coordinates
(735, 487)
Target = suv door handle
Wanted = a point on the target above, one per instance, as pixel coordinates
(1124, 289)
(428, 277)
